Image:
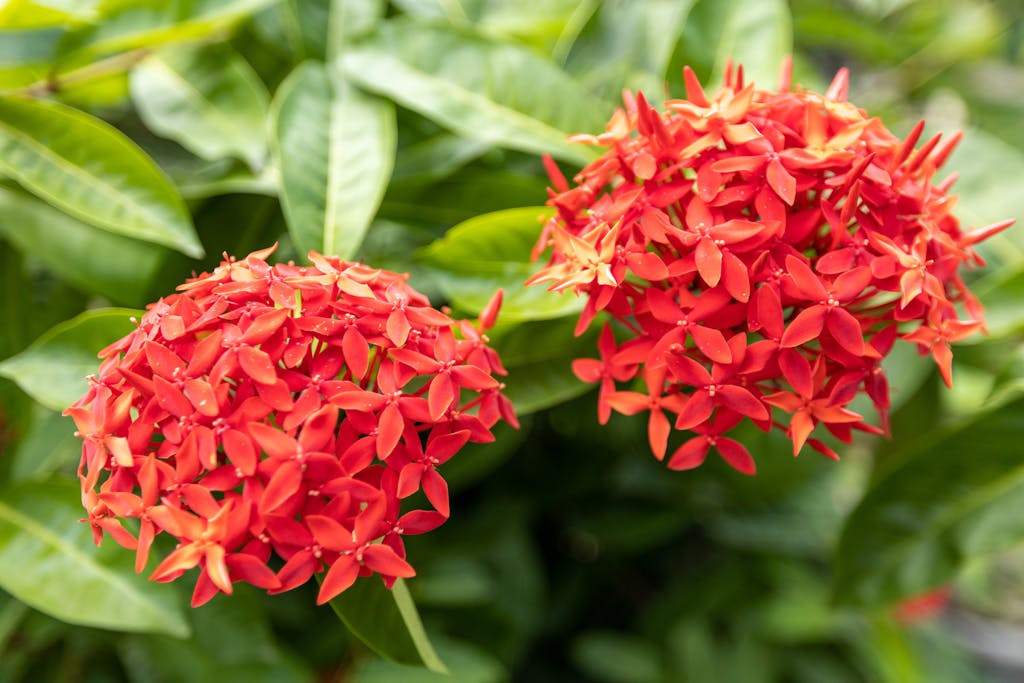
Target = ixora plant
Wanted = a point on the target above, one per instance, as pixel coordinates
(280, 410)
(758, 250)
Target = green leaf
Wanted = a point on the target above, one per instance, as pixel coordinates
(208, 99)
(93, 260)
(26, 55)
(335, 148)
(630, 47)
(27, 14)
(957, 495)
(48, 445)
(351, 19)
(469, 664)
(498, 93)
(538, 356)
(757, 34)
(387, 621)
(131, 24)
(617, 657)
(53, 369)
(48, 561)
(987, 197)
(93, 171)
(492, 251)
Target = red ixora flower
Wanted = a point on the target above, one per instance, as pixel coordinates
(288, 411)
(758, 249)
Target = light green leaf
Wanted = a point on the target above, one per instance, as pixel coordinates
(26, 55)
(498, 93)
(93, 171)
(48, 561)
(478, 256)
(93, 260)
(631, 46)
(208, 99)
(48, 445)
(387, 621)
(29, 14)
(131, 24)
(956, 495)
(335, 148)
(351, 19)
(987, 197)
(53, 369)
(757, 34)
(538, 356)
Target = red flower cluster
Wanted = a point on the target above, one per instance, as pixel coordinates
(761, 250)
(284, 410)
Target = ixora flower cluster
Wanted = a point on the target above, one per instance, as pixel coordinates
(284, 410)
(758, 250)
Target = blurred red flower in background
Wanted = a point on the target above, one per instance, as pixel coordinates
(284, 410)
(758, 249)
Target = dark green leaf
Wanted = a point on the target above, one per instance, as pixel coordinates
(617, 658)
(96, 261)
(335, 148)
(538, 357)
(93, 171)
(208, 99)
(48, 560)
(53, 369)
(492, 251)
(468, 664)
(500, 94)
(387, 621)
(957, 495)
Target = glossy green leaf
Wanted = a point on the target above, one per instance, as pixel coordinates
(53, 369)
(630, 47)
(538, 356)
(22, 14)
(387, 621)
(208, 99)
(757, 34)
(26, 55)
(48, 445)
(958, 495)
(93, 171)
(987, 197)
(131, 24)
(335, 148)
(93, 260)
(485, 253)
(499, 93)
(48, 561)
(351, 19)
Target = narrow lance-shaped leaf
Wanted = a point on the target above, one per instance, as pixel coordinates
(958, 495)
(492, 251)
(48, 560)
(502, 94)
(93, 171)
(91, 259)
(129, 24)
(53, 369)
(208, 99)
(757, 34)
(335, 147)
(387, 621)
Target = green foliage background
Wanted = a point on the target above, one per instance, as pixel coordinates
(140, 140)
